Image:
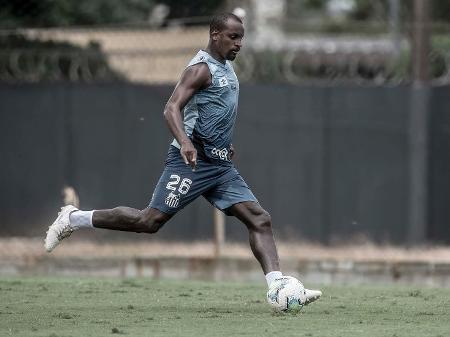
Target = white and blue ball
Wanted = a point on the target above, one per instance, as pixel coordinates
(286, 294)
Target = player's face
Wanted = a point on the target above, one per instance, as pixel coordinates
(229, 40)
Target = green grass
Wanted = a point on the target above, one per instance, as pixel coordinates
(142, 307)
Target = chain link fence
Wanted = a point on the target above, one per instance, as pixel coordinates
(318, 42)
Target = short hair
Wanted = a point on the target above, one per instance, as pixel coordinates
(219, 21)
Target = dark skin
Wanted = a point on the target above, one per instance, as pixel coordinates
(223, 45)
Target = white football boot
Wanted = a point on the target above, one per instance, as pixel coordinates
(312, 295)
(60, 229)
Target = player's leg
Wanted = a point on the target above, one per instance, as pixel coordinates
(259, 225)
(262, 243)
(233, 196)
(128, 219)
(176, 188)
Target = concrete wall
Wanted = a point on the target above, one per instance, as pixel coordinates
(329, 164)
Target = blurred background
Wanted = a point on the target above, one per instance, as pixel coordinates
(342, 132)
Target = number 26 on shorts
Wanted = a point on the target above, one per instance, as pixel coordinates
(174, 182)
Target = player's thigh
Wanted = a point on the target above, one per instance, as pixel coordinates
(230, 190)
(179, 185)
(175, 190)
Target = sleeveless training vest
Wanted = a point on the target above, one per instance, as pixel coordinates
(210, 114)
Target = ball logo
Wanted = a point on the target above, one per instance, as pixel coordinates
(222, 154)
(223, 82)
(172, 200)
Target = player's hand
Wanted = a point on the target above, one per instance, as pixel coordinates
(189, 154)
(232, 151)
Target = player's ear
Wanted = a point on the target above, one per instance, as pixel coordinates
(214, 35)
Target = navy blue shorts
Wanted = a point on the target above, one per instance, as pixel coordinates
(221, 184)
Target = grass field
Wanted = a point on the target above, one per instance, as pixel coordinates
(143, 307)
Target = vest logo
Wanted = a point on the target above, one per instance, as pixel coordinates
(222, 154)
(223, 82)
(173, 200)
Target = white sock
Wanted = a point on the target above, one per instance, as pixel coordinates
(81, 219)
(272, 276)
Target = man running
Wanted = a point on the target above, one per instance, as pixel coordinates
(199, 158)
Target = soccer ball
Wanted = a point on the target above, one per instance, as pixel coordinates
(286, 294)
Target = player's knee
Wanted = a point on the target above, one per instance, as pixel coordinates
(151, 223)
(262, 222)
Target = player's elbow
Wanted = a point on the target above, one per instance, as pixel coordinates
(169, 111)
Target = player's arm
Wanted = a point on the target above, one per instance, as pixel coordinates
(194, 78)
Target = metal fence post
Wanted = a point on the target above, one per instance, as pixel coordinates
(219, 232)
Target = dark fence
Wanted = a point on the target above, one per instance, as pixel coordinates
(329, 163)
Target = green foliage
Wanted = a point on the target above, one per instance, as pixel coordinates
(440, 10)
(313, 4)
(28, 60)
(438, 60)
(192, 8)
(62, 13)
(367, 10)
(439, 55)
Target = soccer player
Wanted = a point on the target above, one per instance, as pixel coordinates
(199, 158)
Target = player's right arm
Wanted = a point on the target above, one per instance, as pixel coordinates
(194, 78)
